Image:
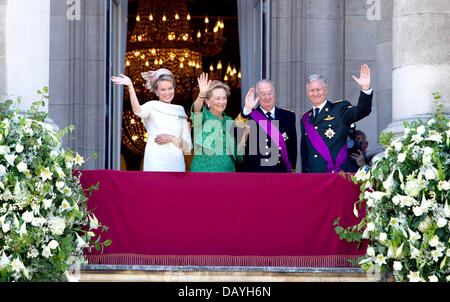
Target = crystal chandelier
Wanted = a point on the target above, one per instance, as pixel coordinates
(229, 76)
(163, 38)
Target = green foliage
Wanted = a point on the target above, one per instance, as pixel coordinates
(44, 221)
(406, 194)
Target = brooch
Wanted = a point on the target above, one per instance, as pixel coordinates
(285, 137)
(330, 133)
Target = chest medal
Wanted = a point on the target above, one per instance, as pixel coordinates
(330, 133)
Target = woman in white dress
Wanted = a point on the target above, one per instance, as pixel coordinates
(168, 130)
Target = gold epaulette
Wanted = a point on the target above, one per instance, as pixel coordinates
(306, 112)
(337, 102)
(240, 121)
(288, 110)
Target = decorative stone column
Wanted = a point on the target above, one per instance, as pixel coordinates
(421, 59)
(3, 70)
(306, 37)
(324, 35)
(77, 77)
(384, 66)
(360, 47)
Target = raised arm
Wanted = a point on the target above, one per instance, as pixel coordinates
(250, 101)
(124, 80)
(364, 77)
(250, 104)
(203, 85)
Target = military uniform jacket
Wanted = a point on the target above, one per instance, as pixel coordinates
(332, 124)
(261, 153)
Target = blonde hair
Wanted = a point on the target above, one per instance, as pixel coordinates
(153, 77)
(216, 85)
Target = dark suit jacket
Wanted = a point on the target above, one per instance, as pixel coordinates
(261, 153)
(338, 117)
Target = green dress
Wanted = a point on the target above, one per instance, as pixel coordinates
(215, 148)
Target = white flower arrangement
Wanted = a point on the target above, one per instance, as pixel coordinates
(407, 208)
(44, 221)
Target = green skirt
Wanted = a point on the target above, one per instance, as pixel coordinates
(213, 163)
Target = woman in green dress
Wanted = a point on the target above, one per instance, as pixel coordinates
(215, 148)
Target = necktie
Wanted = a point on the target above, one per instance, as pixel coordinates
(269, 115)
(316, 113)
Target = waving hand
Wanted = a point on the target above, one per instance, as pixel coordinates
(364, 77)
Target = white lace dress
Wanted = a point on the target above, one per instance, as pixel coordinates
(162, 118)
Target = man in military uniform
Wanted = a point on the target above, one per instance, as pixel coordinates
(325, 127)
(272, 142)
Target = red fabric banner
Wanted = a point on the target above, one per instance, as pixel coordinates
(222, 219)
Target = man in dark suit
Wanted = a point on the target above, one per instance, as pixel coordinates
(325, 127)
(272, 142)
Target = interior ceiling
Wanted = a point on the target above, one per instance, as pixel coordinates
(226, 9)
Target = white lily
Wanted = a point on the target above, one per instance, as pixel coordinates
(414, 277)
(414, 236)
(4, 261)
(27, 216)
(17, 265)
(434, 241)
(79, 160)
(434, 136)
(46, 252)
(23, 229)
(46, 174)
(65, 205)
(10, 158)
(415, 253)
(436, 254)
(60, 185)
(380, 260)
(433, 278)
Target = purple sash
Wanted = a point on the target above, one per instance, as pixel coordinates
(273, 132)
(320, 146)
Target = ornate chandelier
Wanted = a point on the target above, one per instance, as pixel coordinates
(164, 37)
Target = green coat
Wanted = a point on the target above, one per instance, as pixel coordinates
(215, 147)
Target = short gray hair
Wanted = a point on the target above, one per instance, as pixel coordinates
(217, 85)
(315, 77)
(264, 81)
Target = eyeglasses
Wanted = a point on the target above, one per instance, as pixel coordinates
(265, 95)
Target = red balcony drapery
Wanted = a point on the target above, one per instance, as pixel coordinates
(222, 219)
